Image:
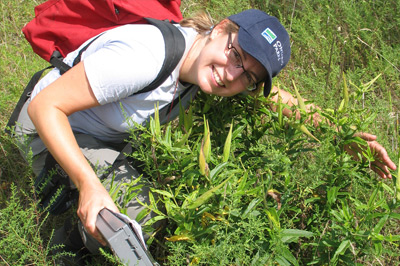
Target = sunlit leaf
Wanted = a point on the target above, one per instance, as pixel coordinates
(303, 129)
(296, 233)
(398, 182)
(280, 109)
(227, 146)
(273, 217)
(206, 141)
(345, 101)
(162, 192)
(204, 170)
(300, 100)
(179, 238)
(206, 195)
(157, 126)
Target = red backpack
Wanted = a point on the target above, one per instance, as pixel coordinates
(63, 25)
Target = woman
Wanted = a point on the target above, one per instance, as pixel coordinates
(84, 105)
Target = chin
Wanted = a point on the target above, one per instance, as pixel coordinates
(206, 87)
(206, 90)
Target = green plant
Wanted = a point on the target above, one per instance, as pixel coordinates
(20, 227)
(302, 184)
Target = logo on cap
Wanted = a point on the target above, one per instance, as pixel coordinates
(269, 35)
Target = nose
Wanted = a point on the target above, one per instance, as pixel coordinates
(233, 72)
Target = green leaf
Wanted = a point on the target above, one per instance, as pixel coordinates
(251, 206)
(214, 172)
(395, 215)
(143, 213)
(155, 219)
(157, 126)
(372, 199)
(280, 260)
(378, 227)
(202, 162)
(162, 192)
(273, 217)
(206, 196)
(184, 139)
(378, 248)
(345, 101)
(188, 119)
(398, 182)
(340, 250)
(190, 198)
(332, 194)
(303, 129)
(227, 146)
(289, 256)
(296, 233)
(300, 100)
(280, 109)
(206, 141)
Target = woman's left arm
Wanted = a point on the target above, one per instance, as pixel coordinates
(382, 162)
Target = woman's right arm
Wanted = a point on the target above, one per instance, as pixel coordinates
(288, 99)
(49, 112)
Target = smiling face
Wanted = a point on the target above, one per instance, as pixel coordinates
(218, 70)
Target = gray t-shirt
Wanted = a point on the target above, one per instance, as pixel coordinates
(119, 63)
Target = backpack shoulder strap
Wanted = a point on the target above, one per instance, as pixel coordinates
(175, 46)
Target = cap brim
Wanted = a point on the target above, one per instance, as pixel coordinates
(267, 85)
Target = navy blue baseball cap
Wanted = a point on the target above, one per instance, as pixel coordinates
(264, 38)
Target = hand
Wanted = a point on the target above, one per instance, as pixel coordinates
(92, 199)
(382, 161)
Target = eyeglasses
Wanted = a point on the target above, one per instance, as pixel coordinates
(233, 55)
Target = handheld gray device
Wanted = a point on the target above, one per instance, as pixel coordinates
(123, 240)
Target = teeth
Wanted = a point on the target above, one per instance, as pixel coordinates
(217, 78)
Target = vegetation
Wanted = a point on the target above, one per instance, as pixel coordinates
(238, 184)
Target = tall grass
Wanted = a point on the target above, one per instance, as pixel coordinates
(285, 198)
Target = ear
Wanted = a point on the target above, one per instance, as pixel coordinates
(219, 29)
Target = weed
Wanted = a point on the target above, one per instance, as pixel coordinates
(278, 196)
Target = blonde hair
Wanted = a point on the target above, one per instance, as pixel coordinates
(203, 23)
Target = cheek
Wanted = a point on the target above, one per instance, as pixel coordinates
(213, 53)
(205, 81)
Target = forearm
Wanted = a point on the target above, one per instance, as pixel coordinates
(289, 100)
(55, 131)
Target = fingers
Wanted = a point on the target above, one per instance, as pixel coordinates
(365, 136)
(382, 155)
(381, 170)
(92, 200)
(89, 222)
(382, 162)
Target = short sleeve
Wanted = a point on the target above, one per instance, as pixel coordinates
(120, 63)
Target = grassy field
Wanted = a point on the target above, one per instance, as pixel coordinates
(272, 195)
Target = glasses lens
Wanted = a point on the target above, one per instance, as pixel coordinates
(252, 87)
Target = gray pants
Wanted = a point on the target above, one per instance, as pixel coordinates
(102, 155)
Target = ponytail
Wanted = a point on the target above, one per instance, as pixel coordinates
(203, 23)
